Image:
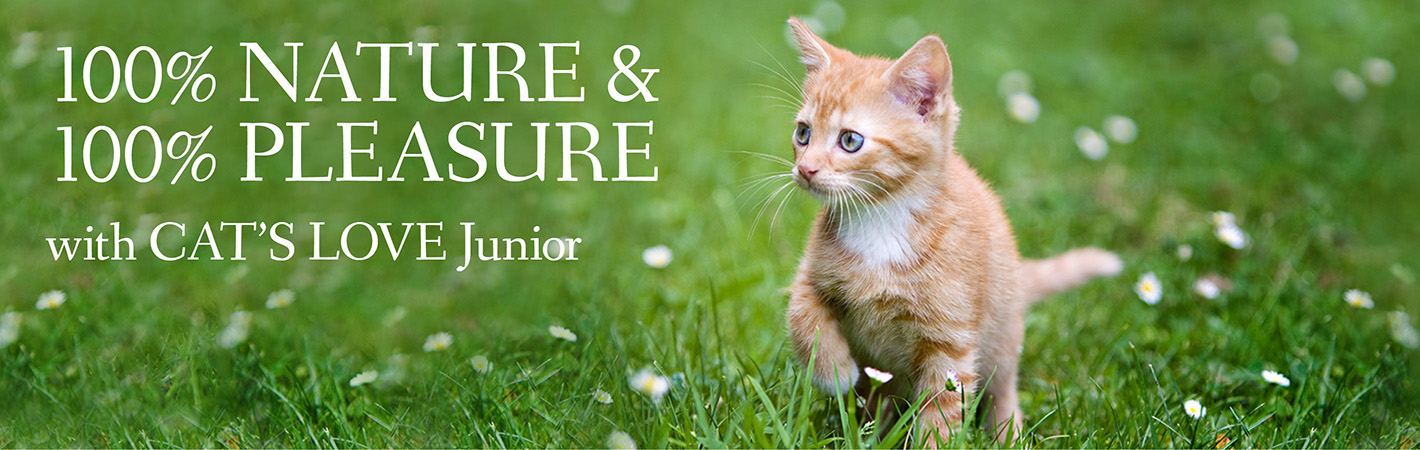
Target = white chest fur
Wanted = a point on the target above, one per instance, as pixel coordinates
(880, 234)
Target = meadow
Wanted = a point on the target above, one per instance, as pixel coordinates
(1120, 124)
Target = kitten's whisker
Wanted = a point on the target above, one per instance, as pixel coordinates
(775, 219)
(757, 186)
(784, 75)
(788, 95)
(865, 180)
(753, 179)
(781, 75)
(755, 224)
(773, 158)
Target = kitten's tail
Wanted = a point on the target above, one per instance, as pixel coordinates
(1060, 272)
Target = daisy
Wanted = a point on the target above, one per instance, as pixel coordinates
(1231, 235)
(394, 316)
(481, 364)
(954, 381)
(364, 378)
(438, 342)
(1185, 252)
(51, 300)
(831, 15)
(1378, 71)
(9, 328)
(601, 397)
(1023, 107)
(1276, 378)
(647, 382)
(1349, 85)
(1091, 143)
(1400, 330)
(1359, 299)
(562, 333)
(1149, 289)
(657, 257)
(396, 367)
(238, 328)
(1012, 83)
(620, 441)
(1121, 129)
(1206, 288)
(280, 299)
(877, 375)
(1194, 409)
(1222, 218)
(1283, 50)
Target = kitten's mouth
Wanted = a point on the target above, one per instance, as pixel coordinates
(821, 191)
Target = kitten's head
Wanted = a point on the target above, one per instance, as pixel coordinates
(871, 129)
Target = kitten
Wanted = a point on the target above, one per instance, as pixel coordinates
(911, 267)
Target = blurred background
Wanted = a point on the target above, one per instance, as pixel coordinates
(1120, 124)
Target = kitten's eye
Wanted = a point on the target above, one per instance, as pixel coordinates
(801, 134)
(850, 141)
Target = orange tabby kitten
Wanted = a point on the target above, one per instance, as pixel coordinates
(911, 267)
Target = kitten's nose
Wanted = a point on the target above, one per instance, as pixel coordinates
(807, 172)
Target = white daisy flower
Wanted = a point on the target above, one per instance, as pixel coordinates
(9, 328)
(904, 31)
(1149, 288)
(620, 441)
(1276, 378)
(280, 299)
(396, 367)
(620, 7)
(657, 257)
(831, 15)
(235, 274)
(562, 333)
(877, 375)
(364, 378)
(1359, 299)
(647, 382)
(1349, 85)
(51, 300)
(1378, 71)
(1283, 50)
(1400, 329)
(438, 342)
(601, 397)
(1023, 107)
(481, 364)
(27, 50)
(1231, 235)
(1091, 143)
(1273, 24)
(1012, 83)
(1206, 288)
(427, 33)
(1222, 218)
(238, 328)
(1121, 129)
(954, 381)
(1194, 409)
(1185, 252)
(394, 316)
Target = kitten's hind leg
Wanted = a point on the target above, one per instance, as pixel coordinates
(935, 363)
(1002, 411)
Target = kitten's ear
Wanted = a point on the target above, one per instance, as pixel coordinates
(922, 77)
(814, 52)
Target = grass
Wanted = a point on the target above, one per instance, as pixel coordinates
(1322, 185)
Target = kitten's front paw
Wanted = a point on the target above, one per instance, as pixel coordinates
(836, 378)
